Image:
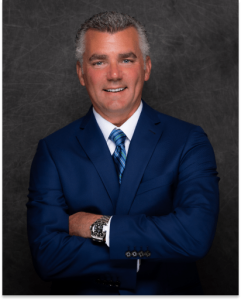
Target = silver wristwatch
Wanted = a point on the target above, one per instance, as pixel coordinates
(97, 233)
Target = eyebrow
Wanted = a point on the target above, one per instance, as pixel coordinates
(127, 55)
(97, 56)
(121, 55)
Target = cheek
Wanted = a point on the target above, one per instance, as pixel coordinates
(94, 78)
(135, 76)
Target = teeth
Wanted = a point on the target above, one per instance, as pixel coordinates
(115, 90)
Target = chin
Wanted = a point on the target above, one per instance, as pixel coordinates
(117, 106)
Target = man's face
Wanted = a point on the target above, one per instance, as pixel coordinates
(114, 72)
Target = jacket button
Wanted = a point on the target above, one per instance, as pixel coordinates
(141, 253)
(128, 254)
(134, 254)
(117, 283)
(147, 253)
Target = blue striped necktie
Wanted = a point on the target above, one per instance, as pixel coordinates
(118, 137)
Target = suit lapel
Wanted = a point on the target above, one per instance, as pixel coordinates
(147, 133)
(95, 146)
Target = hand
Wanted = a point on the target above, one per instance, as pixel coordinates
(79, 223)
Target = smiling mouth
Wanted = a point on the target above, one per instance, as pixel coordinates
(115, 90)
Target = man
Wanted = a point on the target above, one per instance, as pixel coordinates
(125, 199)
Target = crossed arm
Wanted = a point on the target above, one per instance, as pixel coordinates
(79, 223)
(61, 246)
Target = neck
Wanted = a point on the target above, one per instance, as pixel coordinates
(117, 118)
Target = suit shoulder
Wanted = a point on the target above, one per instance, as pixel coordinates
(172, 124)
(177, 123)
(169, 122)
(64, 134)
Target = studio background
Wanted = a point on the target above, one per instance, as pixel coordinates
(194, 52)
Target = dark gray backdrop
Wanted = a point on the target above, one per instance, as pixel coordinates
(194, 78)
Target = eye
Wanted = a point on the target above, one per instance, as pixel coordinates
(126, 61)
(98, 63)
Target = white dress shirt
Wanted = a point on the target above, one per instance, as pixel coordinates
(128, 128)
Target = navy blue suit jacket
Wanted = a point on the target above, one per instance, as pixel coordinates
(167, 204)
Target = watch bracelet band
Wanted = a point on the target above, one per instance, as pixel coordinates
(97, 233)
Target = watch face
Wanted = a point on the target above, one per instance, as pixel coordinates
(97, 232)
(98, 228)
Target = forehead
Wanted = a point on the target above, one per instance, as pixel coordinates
(126, 40)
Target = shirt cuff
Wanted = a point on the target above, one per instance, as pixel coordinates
(107, 229)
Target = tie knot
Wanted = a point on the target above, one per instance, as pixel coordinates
(117, 136)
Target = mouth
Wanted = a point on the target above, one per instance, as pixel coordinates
(115, 90)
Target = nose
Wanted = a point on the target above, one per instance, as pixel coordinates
(114, 72)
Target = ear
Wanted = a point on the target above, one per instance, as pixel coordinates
(80, 74)
(148, 68)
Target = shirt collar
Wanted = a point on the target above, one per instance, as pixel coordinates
(128, 127)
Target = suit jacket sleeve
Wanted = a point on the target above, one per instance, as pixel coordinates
(56, 254)
(186, 233)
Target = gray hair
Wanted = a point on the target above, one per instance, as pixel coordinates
(111, 22)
